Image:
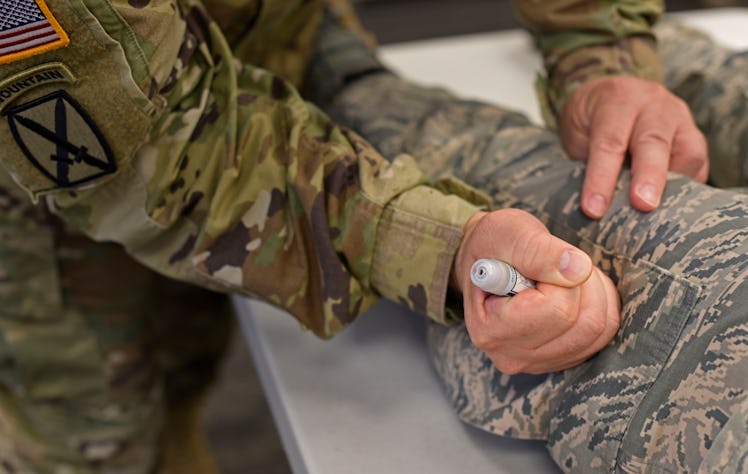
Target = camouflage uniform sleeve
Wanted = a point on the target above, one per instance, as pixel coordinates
(279, 35)
(581, 40)
(216, 172)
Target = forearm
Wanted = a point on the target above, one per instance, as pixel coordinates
(225, 177)
(283, 205)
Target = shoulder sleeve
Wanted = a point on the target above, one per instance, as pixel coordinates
(581, 40)
(278, 35)
(244, 187)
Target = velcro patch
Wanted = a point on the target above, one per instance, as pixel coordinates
(18, 84)
(27, 28)
(61, 140)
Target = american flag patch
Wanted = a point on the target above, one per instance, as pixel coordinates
(27, 28)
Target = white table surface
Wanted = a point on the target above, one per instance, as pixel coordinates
(368, 401)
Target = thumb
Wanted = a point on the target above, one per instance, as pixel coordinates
(572, 269)
(548, 259)
(526, 244)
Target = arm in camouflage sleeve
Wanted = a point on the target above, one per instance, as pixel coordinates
(345, 222)
(216, 172)
(245, 187)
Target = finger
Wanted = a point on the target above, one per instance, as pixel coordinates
(535, 317)
(599, 318)
(593, 328)
(613, 315)
(574, 126)
(609, 141)
(483, 324)
(651, 144)
(690, 156)
(611, 325)
(474, 305)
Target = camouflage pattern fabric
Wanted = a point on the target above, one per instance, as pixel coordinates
(670, 393)
(92, 346)
(715, 89)
(185, 141)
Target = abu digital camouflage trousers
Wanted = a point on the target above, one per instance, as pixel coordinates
(670, 393)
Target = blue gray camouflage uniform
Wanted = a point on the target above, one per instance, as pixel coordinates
(670, 393)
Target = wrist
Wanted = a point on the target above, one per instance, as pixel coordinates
(456, 275)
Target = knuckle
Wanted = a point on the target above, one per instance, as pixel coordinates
(696, 164)
(651, 138)
(612, 144)
(703, 174)
(614, 85)
(481, 340)
(575, 147)
(596, 324)
(510, 366)
(630, 86)
(530, 251)
(486, 340)
(645, 90)
(565, 315)
(563, 307)
(681, 106)
(657, 88)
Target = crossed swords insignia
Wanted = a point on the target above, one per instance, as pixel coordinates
(47, 130)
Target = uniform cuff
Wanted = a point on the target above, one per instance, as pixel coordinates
(635, 56)
(416, 243)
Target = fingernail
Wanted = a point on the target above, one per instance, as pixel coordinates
(596, 204)
(648, 194)
(574, 265)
